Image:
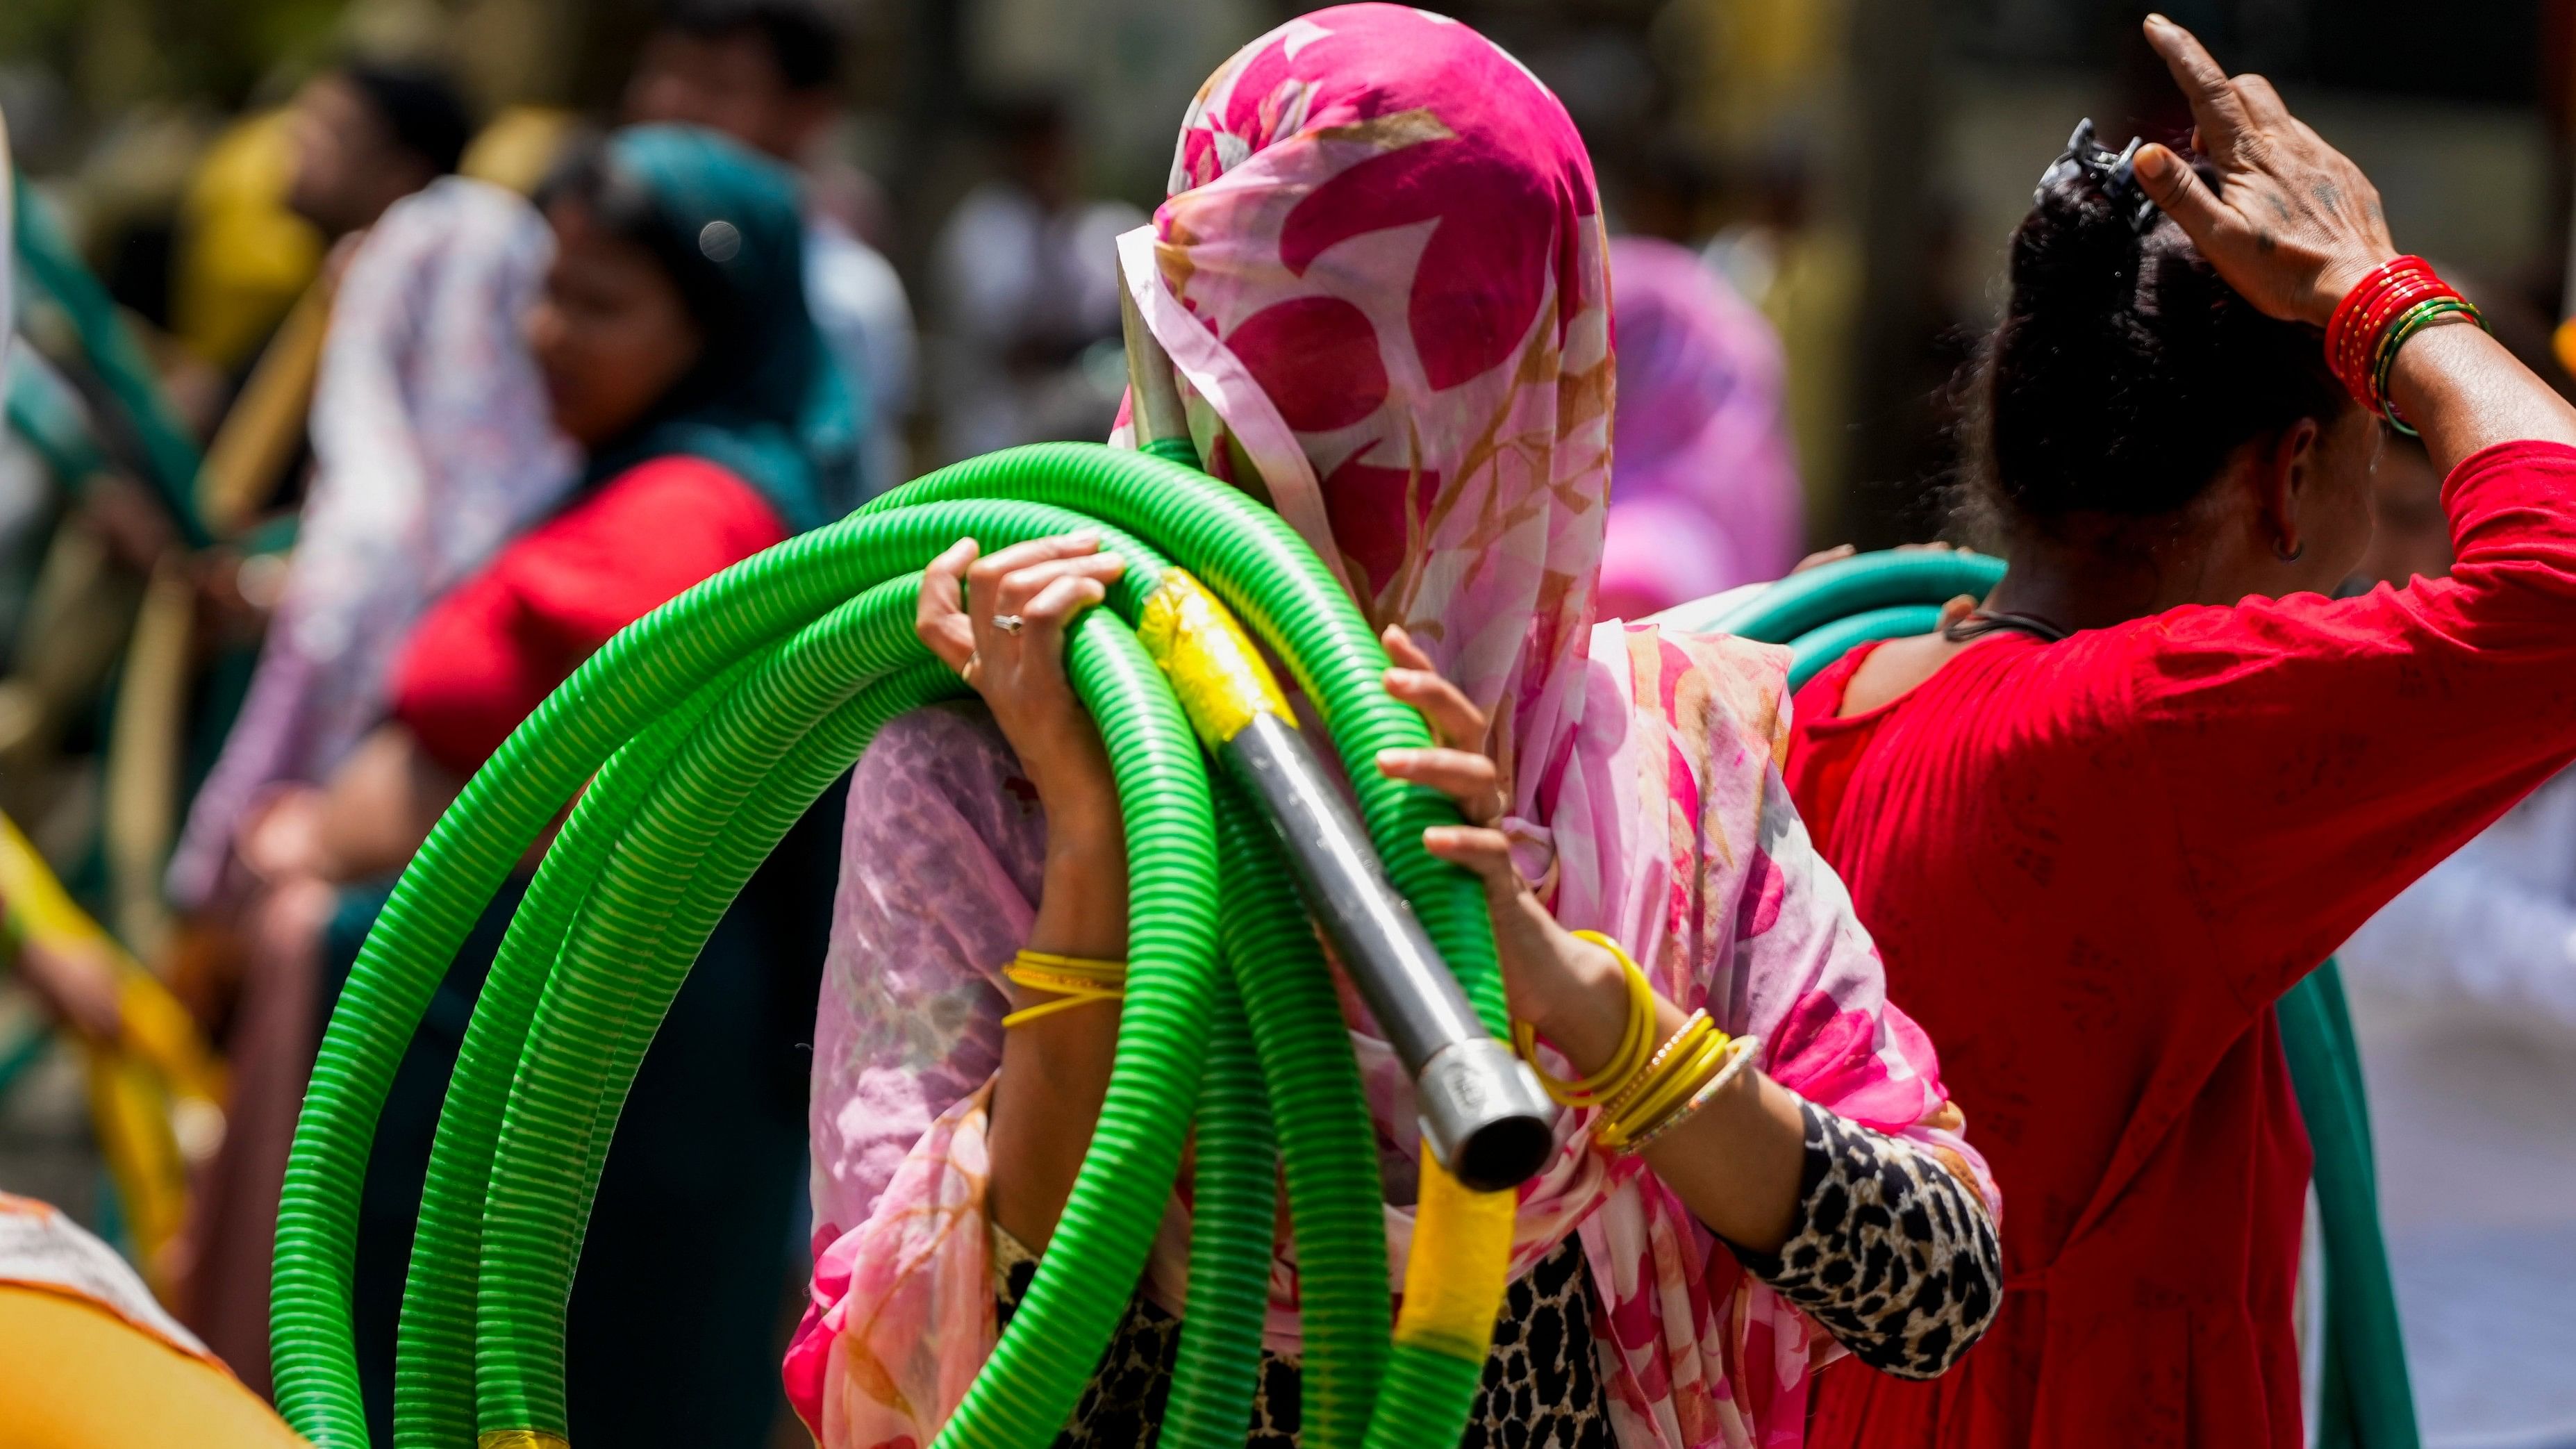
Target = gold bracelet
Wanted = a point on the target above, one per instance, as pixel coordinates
(1628, 1065)
(1740, 1050)
(1074, 980)
(1686, 1061)
(1681, 1039)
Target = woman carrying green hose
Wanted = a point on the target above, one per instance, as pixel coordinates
(2106, 821)
(1380, 280)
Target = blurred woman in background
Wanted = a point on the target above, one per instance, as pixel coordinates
(1704, 483)
(2102, 822)
(431, 446)
(676, 350)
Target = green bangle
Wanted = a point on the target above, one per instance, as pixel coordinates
(2415, 319)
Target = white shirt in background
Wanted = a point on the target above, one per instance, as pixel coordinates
(859, 307)
(2463, 994)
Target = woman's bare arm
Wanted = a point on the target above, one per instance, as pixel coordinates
(1055, 1068)
(1737, 1162)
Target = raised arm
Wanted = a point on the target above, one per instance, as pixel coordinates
(2293, 226)
(2319, 756)
(1000, 622)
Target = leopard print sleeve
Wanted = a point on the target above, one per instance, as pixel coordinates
(1892, 1255)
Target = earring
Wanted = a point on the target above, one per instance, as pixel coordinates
(2290, 556)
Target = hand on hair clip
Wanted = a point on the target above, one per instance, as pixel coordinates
(2288, 220)
(2115, 173)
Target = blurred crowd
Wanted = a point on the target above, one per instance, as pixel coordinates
(383, 410)
(398, 411)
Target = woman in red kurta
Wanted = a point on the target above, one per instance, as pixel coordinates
(2100, 824)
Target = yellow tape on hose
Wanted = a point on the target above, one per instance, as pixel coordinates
(520, 1439)
(1462, 1257)
(1221, 680)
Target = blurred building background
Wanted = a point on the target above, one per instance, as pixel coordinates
(1853, 165)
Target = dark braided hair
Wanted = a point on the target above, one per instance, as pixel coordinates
(2125, 372)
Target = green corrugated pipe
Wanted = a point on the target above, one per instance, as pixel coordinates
(710, 726)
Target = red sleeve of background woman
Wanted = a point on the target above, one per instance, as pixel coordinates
(2356, 743)
(497, 644)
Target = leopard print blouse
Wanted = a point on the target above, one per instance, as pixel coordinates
(1889, 1252)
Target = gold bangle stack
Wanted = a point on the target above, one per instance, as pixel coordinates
(1073, 980)
(1731, 1055)
(1645, 1090)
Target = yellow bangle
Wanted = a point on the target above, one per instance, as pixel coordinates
(1676, 1083)
(1739, 1051)
(1627, 1065)
(1667, 1078)
(1074, 980)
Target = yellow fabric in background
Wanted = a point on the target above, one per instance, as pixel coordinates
(517, 147)
(243, 257)
(154, 1094)
(77, 1376)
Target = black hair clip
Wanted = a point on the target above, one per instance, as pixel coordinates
(2117, 174)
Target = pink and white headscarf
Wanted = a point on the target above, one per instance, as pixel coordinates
(1380, 277)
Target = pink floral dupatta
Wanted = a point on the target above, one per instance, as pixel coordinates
(1380, 277)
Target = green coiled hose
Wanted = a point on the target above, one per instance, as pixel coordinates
(1320, 1110)
(1234, 1204)
(712, 724)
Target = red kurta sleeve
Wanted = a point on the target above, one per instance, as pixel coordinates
(2319, 756)
(489, 652)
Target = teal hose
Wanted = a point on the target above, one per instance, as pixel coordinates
(1810, 652)
(169, 459)
(44, 411)
(1838, 590)
(2368, 1401)
(710, 726)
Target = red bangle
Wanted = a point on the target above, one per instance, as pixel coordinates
(2355, 326)
(2359, 333)
(2363, 311)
